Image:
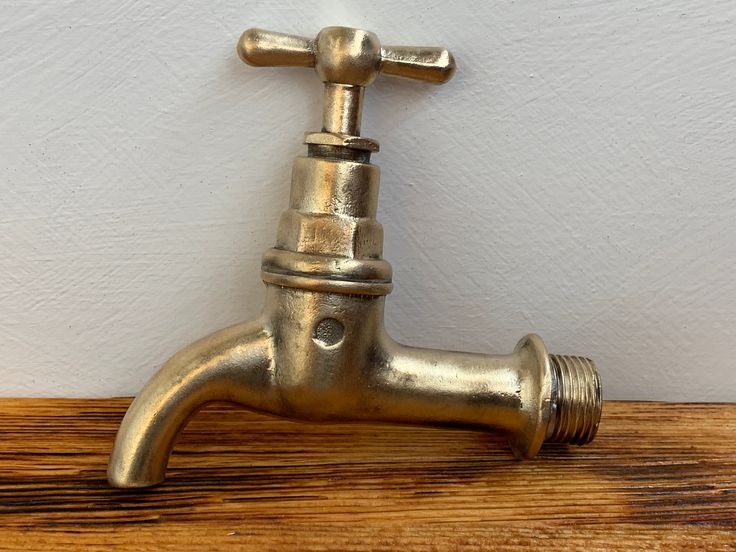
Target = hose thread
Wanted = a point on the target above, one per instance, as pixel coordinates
(578, 400)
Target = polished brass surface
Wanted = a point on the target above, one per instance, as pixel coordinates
(319, 350)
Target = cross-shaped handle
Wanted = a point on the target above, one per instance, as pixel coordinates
(346, 60)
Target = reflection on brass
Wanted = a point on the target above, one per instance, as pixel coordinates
(319, 351)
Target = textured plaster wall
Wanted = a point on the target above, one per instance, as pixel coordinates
(577, 178)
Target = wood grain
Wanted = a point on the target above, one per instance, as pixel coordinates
(658, 477)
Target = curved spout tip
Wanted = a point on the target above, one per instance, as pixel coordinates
(234, 364)
(122, 476)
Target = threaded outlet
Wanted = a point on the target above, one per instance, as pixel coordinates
(578, 400)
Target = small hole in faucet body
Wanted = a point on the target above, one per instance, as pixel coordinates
(328, 332)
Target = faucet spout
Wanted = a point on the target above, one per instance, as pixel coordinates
(234, 364)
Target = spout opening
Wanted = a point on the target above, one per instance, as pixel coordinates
(578, 400)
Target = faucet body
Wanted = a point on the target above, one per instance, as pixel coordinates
(319, 350)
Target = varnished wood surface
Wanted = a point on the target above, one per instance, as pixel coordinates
(658, 477)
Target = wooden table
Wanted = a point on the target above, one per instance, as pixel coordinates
(658, 476)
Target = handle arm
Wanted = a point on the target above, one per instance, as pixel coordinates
(269, 49)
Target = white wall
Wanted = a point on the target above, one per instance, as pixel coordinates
(577, 178)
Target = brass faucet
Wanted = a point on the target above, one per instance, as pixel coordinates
(319, 351)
